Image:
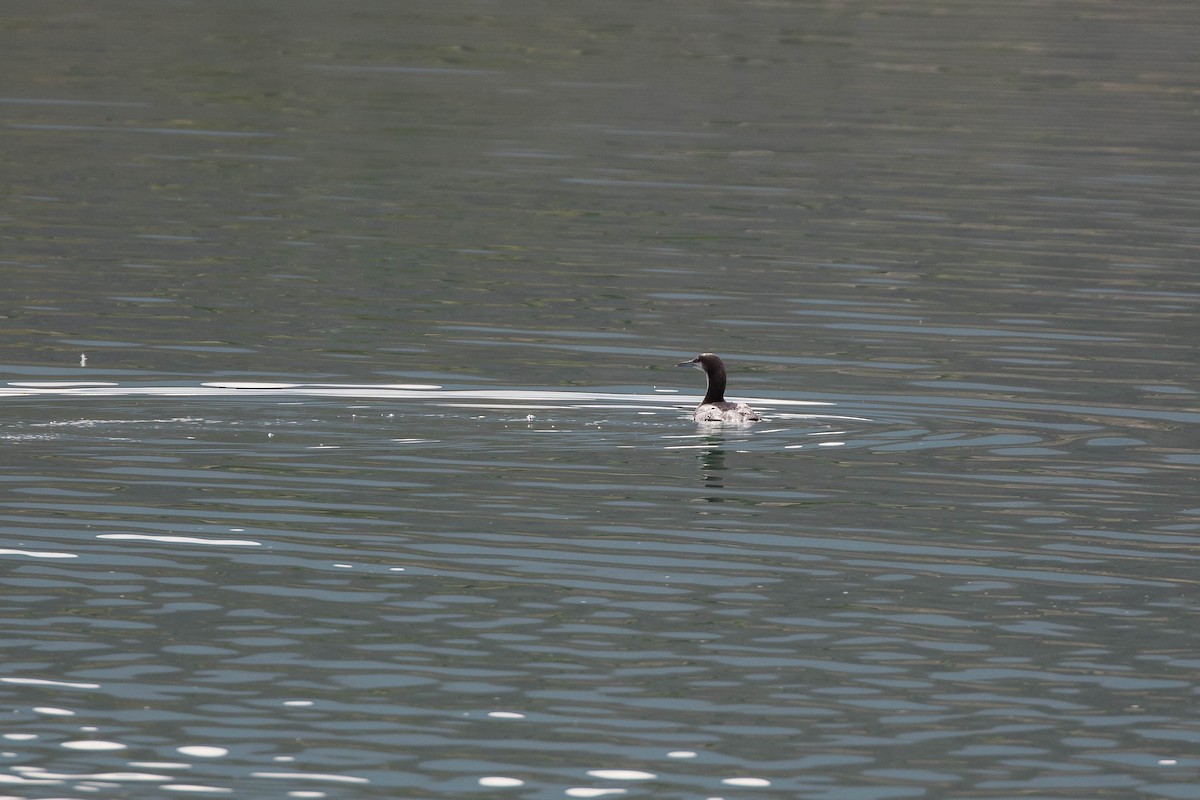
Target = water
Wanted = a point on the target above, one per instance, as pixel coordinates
(344, 456)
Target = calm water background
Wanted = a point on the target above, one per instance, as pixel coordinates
(378, 481)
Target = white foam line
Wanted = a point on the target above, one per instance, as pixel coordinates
(28, 388)
(101, 776)
(309, 776)
(512, 406)
(44, 682)
(180, 539)
(35, 554)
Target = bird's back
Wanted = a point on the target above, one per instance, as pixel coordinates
(725, 411)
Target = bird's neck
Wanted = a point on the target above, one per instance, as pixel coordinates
(716, 387)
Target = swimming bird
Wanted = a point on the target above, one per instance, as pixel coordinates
(714, 407)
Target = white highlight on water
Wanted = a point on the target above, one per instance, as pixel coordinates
(45, 682)
(622, 774)
(202, 751)
(310, 776)
(35, 554)
(181, 539)
(191, 787)
(746, 782)
(93, 744)
(46, 776)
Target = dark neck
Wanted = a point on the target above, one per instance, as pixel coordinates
(716, 386)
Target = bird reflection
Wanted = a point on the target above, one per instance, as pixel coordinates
(712, 464)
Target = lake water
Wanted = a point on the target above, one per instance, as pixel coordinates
(344, 455)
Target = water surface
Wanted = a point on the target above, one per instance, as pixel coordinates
(344, 457)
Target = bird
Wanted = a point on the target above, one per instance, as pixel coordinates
(714, 407)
